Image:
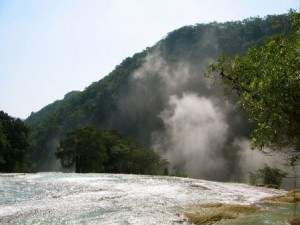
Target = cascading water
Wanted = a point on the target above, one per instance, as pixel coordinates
(60, 198)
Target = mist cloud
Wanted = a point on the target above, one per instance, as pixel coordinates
(171, 107)
(194, 136)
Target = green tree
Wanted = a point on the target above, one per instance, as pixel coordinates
(269, 175)
(4, 145)
(127, 156)
(13, 144)
(83, 148)
(90, 149)
(267, 80)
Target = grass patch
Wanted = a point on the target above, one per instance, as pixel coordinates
(211, 213)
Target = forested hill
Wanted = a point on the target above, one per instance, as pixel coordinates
(161, 98)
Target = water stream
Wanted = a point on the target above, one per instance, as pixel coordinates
(61, 198)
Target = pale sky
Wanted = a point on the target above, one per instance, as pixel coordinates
(51, 47)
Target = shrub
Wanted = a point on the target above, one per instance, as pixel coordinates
(272, 177)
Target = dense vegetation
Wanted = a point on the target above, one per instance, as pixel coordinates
(103, 104)
(93, 150)
(271, 177)
(13, 144)
(268, 80)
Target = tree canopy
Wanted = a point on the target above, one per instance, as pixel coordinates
(13, 144)
(267, 80)
(83, 148)
(91, 150)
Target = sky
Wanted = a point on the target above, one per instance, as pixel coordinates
(51, 47)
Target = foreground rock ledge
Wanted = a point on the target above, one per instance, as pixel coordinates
(292, 196)
(209, 214)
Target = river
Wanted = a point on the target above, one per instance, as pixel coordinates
(68, 198)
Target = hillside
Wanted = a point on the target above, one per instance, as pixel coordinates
(161, 98)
